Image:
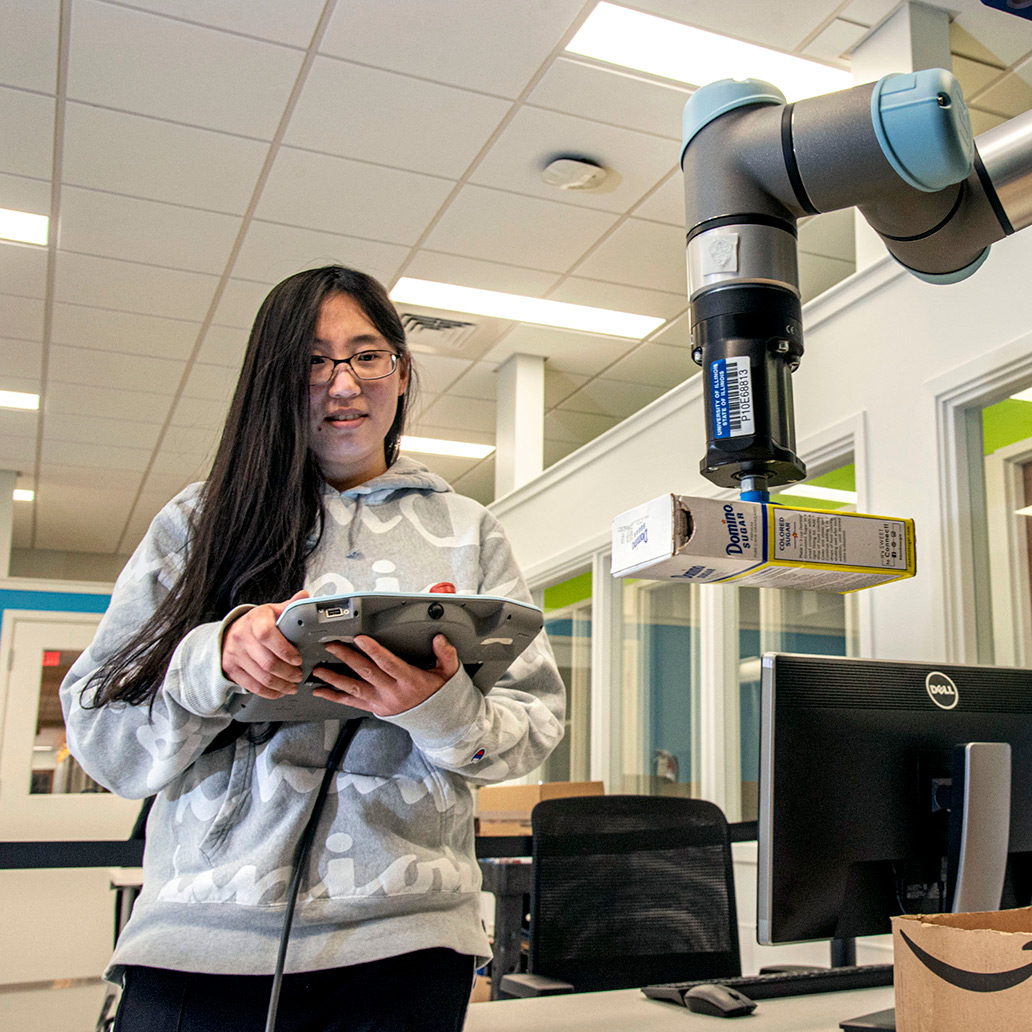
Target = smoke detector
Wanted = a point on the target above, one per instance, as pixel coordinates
(570, 173)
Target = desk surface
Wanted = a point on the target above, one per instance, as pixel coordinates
(627, 1010)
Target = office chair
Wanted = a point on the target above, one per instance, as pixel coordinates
(628, 891)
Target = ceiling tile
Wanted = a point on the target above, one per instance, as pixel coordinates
(87, 367)
(106, 283)
(660, 365)
(20, 358)
(983, 121)
(140, 406)
(483, 223)
(224, 346)
(107, 330)
(1007, 39)
(201, 413)
(463, 414)
(434, 373)
(215, 383)
(141, 62)
(434, 129)
(868, 12)
(609, 397)
(534, 137)
(618, 298)
(63, 426)
(18, 423)
(613, 95)
(817, 274)
(271, 252)
(478, 481)
(350, 197)
(23, 269)
(69, 476)
(159, 488)
(640, 254)
(450, 467)
(566, 350)
(23, 194)
(88, 455)
(835, 40)
(18, 453)
(676, 333)
(579, 427)
(963, 44)
(30, 385)
(974, 76)
(191, 440)
(274, 20)
(21, 317)
(27, 129)
(471, 272)
(145, 231)
(481, 381)
(29, 32)
(831, 234)
(239, 303)
(189, 467)
(666, 204)
(777, 25)
(556, 450)
(560, 385)
(158, 160)
(493, 47)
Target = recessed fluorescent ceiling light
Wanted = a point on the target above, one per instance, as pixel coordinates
(434, 446)
(23, 495)
(23, 226)
(1027, 511)
(450, 298)
(675, 51)
(826, 494)
(16, 399)
(1022, 395)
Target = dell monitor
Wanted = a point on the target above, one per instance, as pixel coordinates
(866, 768)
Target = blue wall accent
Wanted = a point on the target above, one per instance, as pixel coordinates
(53, 601)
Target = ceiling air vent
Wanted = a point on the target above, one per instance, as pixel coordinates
(430, 332)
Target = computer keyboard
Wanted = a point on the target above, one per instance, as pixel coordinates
(784, 983)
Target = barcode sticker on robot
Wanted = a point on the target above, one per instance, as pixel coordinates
(732, 397)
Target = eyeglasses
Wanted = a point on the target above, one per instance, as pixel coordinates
(366, 365)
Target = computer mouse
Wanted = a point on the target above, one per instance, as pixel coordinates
(719, 1000)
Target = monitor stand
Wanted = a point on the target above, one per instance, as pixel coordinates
(979, 831)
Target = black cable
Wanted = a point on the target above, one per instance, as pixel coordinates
(336, 757)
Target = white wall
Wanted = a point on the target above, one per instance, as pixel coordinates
(881, 348)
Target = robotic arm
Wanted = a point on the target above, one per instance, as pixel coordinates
(901, 150)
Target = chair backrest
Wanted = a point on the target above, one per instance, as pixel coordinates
(631, 890)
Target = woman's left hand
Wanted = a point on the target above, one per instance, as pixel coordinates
(385, 685)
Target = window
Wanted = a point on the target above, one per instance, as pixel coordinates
(658, 705)
(567, 607)
(1006, 532)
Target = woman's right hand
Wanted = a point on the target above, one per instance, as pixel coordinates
(256, 656)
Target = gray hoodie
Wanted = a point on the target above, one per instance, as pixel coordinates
(393, 866)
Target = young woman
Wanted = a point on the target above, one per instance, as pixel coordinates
(307, 494)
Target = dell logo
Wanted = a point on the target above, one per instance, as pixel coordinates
(941, 690)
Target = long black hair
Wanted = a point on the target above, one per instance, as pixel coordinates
(260, 512)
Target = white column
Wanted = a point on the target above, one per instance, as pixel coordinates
(520, 433)
(720, 773)
(606, 674)
(8, 478)
(915, 36)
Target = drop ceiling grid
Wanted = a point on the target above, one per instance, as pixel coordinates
(170, 136)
